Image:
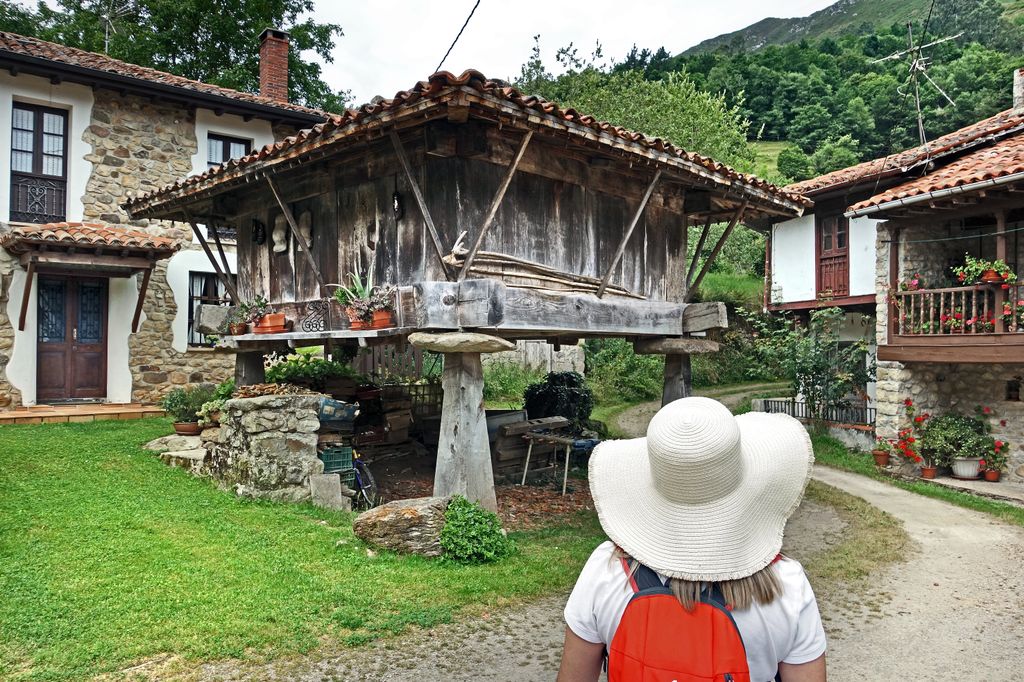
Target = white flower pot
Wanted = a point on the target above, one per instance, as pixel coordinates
(966, 467)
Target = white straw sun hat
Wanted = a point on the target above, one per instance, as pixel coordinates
(706, 495)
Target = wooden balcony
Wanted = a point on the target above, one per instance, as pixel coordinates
(976, 324)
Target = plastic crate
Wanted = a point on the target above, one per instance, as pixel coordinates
(336, 459)
(348, 478)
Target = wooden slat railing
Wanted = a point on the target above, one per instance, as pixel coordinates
(957, 310)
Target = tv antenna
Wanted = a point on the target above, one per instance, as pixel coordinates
(918, 67)
(112, 11)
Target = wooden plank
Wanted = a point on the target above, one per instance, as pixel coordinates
(496, 202)
(30, 276)
(695, 285)
(533, 310)
(142, 297)
(90, 261)
(674, 346)
(463, 451)
(220, 250)
(396, 142)
(297, 237)
(228, 284)
(700, 317)
(629, 233)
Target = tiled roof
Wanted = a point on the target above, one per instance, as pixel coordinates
(493, 94)
(23, 237)
(41, 49)
(1001, 159)
(901, 162)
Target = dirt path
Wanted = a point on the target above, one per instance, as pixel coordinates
(953, 611)
(632, 422)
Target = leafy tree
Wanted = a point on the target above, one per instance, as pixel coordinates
(209, 40)
(835, 153)
(794, 164)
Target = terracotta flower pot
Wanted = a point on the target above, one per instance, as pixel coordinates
(238, 328)
(356, 322)
(881, 457)
(928, 472)
(187, 428)
(382, 319)
(272, 320)
(993, 475)
(991, 277)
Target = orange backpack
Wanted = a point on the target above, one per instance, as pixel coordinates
(659, 641)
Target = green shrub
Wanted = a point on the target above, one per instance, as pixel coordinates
(183, 404)
(560, 394)
(951, 435)
(309, 371)
(506, 381)
(620, 375)
(473, 535)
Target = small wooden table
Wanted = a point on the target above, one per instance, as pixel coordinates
(551, 439)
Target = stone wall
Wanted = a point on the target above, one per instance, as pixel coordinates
(266, 447)
(139, 146)
(9, 396)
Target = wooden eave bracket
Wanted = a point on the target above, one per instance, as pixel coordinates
(142, 297)
(30, 272)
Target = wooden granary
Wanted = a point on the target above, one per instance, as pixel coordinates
(492, 212)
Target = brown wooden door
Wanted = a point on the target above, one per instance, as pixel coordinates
(833, 249)
(72, 339)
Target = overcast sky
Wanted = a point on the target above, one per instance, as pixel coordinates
(389, 45)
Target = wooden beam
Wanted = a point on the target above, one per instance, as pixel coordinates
(142, 297)
(297, 237)
(700, 317)
(696, 253)
(718, 247)
(86, 260)
(495, 203)
(220, 247)
(629, 233)
(674, 346)
(30, 274)
(228, 284)
(403, 159)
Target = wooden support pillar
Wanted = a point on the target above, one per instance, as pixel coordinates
(249, 368)
(1000, 255)
(464, 451)
(678, 378)
(30, 276)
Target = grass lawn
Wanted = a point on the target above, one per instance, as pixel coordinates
(766, 158)
(831, 452)
(107, 557)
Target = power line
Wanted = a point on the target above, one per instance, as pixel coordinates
(457, 37)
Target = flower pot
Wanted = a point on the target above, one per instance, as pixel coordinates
(928, 472)
(993, 475)
(237, 328)
(881, 457)
(991, 277)
(187, 428)
(382, 319)
(272, 320)
(354, 319)
(966, 467)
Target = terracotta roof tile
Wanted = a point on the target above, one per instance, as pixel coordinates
(434, 89)
(22, 237)
(1003, 158)
(895, 164)
(33, 47)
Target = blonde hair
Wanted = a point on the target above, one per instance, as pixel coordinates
(762, 587)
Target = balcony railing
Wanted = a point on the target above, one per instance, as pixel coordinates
(973, 310)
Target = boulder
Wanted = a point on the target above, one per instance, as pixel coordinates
(173, 442)
(460, 342)
(405, 526)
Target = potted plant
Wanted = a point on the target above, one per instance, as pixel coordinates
(367, 306)
(236, 323)
(995, 460)
(262, 317)
(908, 442)
(884, 448)
(183, 405)
(210, 412)
(969, 461)
(976, 270)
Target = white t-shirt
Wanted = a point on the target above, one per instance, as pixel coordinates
(787, 630)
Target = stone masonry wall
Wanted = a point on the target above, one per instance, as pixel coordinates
(139, 146)
(266, 447)
(9, 396)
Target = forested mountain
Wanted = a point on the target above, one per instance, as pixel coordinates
(845, 16)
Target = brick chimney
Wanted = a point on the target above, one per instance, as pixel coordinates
(274, 64)
(1018, 90)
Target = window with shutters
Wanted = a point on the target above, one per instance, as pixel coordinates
(39, 157)
(833, 274)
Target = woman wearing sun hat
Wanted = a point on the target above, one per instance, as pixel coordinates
(702, 502)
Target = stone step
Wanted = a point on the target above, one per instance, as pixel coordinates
(191, 460)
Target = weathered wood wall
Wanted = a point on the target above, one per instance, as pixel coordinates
(558, 211)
